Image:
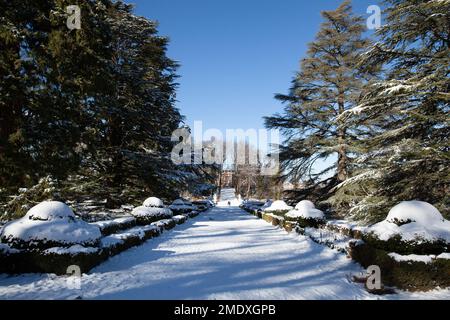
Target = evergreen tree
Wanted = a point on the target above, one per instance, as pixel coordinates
(408, 154)
(329, 83)
(93, 108)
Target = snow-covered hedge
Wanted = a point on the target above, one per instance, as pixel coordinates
(116, 243)
(147, 215)
(411, 227)
(407, 272)
(306, 214)
(278, 207)
(203, 205)
(180, 219)
(112, 226)
(165, 224)
(49, 224)
(181, 206)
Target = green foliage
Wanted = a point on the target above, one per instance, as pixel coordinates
(407, 154)
(94, 108)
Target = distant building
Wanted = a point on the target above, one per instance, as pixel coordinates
(227, 179)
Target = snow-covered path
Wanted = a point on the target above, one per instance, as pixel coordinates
(223, 254)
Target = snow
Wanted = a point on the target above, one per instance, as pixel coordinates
(334, 240)
(179, 218)
(412, 257)
(229, 196)
(416, 211)
(306, 209)
(151, 212)
(161, 224)
(224, 254)
(50, 221)
(154, 202)
(50, 210)
(109, 223)
(419, 258)
(5, 249)
(111, 241)
(445, 256)
(267, 205)
(419, 221)
(73, 250)
(119, 238)
(344, 224)
(278, 205)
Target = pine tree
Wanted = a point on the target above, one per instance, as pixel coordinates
(329, 83)
(408, 154)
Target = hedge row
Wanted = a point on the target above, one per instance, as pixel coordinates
(113, 243)
(368, 250)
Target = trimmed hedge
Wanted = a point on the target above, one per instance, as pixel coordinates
(406, 275)
(40, 261)
(396, 244)
(307, 222)
(113, 226)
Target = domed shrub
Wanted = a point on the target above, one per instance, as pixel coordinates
(49, 224)
(411, 227)
(154, 202)
(278, 207)
(306, 214)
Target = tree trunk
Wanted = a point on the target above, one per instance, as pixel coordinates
(342, 171)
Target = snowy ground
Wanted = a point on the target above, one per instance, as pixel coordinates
(223, 254)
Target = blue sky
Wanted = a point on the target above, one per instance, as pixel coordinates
(236, 54)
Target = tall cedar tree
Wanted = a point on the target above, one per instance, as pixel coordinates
(93, 108)
(328, 84)
(408, 158)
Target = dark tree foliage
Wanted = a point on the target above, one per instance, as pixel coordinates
(93, 108)
(407, 157)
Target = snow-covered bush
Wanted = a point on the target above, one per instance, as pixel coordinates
(278, 207)
(153, 202)
(202, 205)
(49, 224)
(181, 206)
(146, 215)
(411, 227)
(306, 214)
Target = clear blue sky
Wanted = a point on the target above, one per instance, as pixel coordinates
(236, 54)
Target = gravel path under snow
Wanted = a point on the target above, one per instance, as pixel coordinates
(222, 254)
